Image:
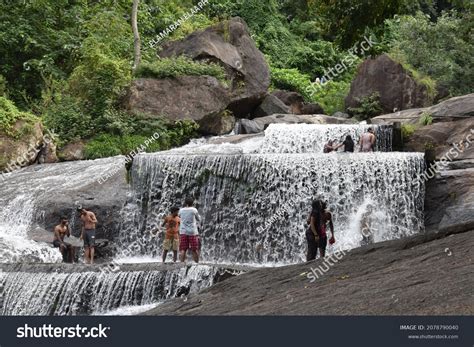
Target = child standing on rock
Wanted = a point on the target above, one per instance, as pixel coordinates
(171, 241)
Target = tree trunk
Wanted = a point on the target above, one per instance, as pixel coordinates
(136, 36)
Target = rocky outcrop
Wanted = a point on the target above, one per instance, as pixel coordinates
(229, 44)
(217, 124)
(449, 198)
(396, 86)
(296, 103)
(312, 108)
(73, 151)
(271, 105)
(51, 191)
(451, 140)
(188, 97)
(397, 277)
(293, 100)
(453, 109)
(19, 152)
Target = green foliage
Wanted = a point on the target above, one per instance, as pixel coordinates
(408, 130)
(180, 66)
(442, 49)
(67, 118)
(9, 115)
(331, 96)
(169, 135)
(291, 79)
(426, 119)
(369, 106)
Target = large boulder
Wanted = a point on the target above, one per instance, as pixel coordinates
(454, 140)
(51, 191)
(74, 150)
(19, 152)
(200, 98)
(293, 100)
(449, 200)
(312, 108)
(217, 124)
(271, 105)
(397, 88)
(229, 44)
(453, 109)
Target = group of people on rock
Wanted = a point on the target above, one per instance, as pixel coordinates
(366, 143)
(181, 233)
(89, 222)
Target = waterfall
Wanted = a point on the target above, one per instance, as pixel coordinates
(84, 293)
(311, 138)
(255, 206)
(22, 203)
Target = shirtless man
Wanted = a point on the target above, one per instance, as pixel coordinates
(88, 234)
(60, 231)
(366, 227)
(367, 141)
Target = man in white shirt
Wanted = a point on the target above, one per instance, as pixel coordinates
(188, 231)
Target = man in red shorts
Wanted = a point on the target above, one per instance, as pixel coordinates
(188, 231)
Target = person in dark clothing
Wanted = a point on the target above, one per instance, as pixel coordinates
(323, 239)
(313, 232)
(348, 144)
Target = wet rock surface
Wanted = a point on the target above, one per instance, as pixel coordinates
(427, 274)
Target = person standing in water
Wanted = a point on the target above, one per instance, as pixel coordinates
(171, 241)
(315, 222)
(367, 141)
(188, 231)
(323, 239)
(329, 147)
(348, 144)
(89, 222)
(60, 231)
(366, 227)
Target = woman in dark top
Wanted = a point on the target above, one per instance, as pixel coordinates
(348, 144)
(314, 230)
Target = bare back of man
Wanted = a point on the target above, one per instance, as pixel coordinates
(367, 142)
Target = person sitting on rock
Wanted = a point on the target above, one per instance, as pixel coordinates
(171, 241)
(89, 222)
(367, 141)
(188, 231)
(60, 231)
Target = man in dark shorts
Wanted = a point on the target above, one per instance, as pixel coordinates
(89, 222)
(60, 231)
(188, 231)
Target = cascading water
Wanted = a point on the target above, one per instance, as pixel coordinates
(254, 205)
(311, 138)
(97, 292)
(21, 193)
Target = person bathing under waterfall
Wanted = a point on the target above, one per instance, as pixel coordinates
(188, 231)
(348, 144)
(89, 222)
(315, 222)
(366, 227)
(327, 219)
(367, 141)
(60, 231)
(171, 241)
